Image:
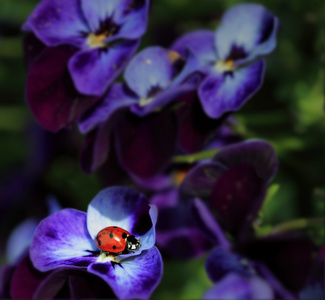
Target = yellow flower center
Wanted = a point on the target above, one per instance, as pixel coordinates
(225, 66)
(97, 41)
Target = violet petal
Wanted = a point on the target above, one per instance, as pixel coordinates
(62, 239)
(246, 31)
(201, 43)
(235, 286)
(93, 70)
(229, 91)
(135, 277)
(57, 22)
(118, 96)
(220, 262)
(150, 69)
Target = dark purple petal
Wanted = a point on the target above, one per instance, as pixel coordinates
(58, 22)
(95, 149)
(229, 91)
(72, 283)
(196, 129)
(220, 262)
(257, 153)
(93, 70)
(125, 208)
(62, 239)
(50, 92)
(156, 183)
(119, 96)
(135, 277)
(237, 197)
(246, 31)
(6, 272)
(32, 47)
(234, 184)
(201, 43)
(149, 71)
(84, 285)
(176, 230)
(289, 257)
(25, 280)
(199, 181)
(145, 146)
(235, 286)
(208, 224)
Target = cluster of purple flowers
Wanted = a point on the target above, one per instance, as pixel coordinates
(170, 102)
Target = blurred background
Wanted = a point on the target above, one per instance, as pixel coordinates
(288, 111)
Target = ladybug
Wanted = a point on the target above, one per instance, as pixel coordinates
(116, 240)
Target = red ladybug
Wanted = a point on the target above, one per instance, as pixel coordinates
(116, 240)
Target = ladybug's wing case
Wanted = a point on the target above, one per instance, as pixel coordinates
(112, 239)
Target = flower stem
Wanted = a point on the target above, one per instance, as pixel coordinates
(192, 158)
(298, 224)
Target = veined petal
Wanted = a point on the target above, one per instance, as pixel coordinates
(93, 70)
(150, 69)
(235, 286)
(62, 239)
(57, 22)
(201, 43)
(122, 207)
(135, 277)
(246, 31)
(225, 92)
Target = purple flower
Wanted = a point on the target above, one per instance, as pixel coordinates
(153, 78)
(105, 33)
(234, 183)
(230, 56)
(229, 191)
(67, 239)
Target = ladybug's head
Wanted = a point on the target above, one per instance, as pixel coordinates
(132, 243)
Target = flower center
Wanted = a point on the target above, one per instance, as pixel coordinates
(225, 66)
(97, 41)
(105, 257)
(178, 177)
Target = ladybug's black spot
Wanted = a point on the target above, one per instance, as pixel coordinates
(114, 247)
(99, 242)
(111, 235)
(114, 226)
(124, 235)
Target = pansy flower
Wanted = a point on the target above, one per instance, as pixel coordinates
(153, 78)
(105, 33)
(228, 193)
(67, 239)
(230, 56)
